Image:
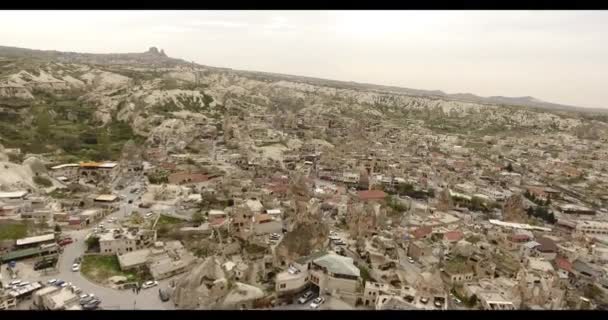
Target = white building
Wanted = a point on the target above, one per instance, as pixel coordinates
(330, 272)
(589, 227)
(118, 241)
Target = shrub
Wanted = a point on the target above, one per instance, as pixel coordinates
(42, 181)
(15, 158)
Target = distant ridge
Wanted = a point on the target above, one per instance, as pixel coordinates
(158, 57)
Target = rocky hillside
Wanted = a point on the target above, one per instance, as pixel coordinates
(88, 105)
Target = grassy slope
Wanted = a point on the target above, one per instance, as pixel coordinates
(12, 231)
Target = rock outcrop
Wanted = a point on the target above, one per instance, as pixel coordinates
(513, 210)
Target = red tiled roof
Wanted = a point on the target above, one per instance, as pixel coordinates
(217, 222)
(563, 263)
(453, 235)
(421, 232)
(371, 195)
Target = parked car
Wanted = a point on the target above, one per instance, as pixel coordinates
(76, 267)
(315, 304)
(86, 300)
(92, 305)
(44, 264)
(65, 242)
(163, 295)
(410, 260)
(149, 214)
(306, 297)
(292, 270)
(14, 283)
(59, 283)
(52, 281)
(149, 284)
(424, 300)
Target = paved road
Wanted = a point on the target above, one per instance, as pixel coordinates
(330, 304)
(111, 299)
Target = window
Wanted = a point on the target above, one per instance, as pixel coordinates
(283, 286)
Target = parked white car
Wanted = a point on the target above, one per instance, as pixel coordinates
(306, 297)
(149, 284)
(292, 270)
(75, 267)
(315, 304)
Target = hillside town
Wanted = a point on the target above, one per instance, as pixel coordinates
(173, 186)
(409, 220)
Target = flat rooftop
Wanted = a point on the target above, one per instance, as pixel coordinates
(13, 194)
(36, 239)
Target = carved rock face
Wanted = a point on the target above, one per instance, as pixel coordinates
(513, 209)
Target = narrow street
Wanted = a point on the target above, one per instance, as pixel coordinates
(147, 299)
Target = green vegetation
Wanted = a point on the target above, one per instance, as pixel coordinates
(99, 268)
(12, 231)
(158, 177)
(92, 243)
(458, 264)
(407, 189)
(15, 158)
(58, 194)
(42, 181)
(252, 248)
(198, 218)
(396, 207)
(473, 239)
(364, 272)
(166, 220)
(542, 213)
(62, 121)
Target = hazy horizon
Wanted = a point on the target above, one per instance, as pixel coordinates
(555, 56)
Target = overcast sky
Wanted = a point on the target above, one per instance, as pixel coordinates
(557, 56)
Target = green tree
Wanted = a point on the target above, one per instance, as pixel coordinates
(136, 218)
(477, 203)
(198, 218)
(42, 181)
(92, 243)
(42, 122)
(103, 144)
(473, 300)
